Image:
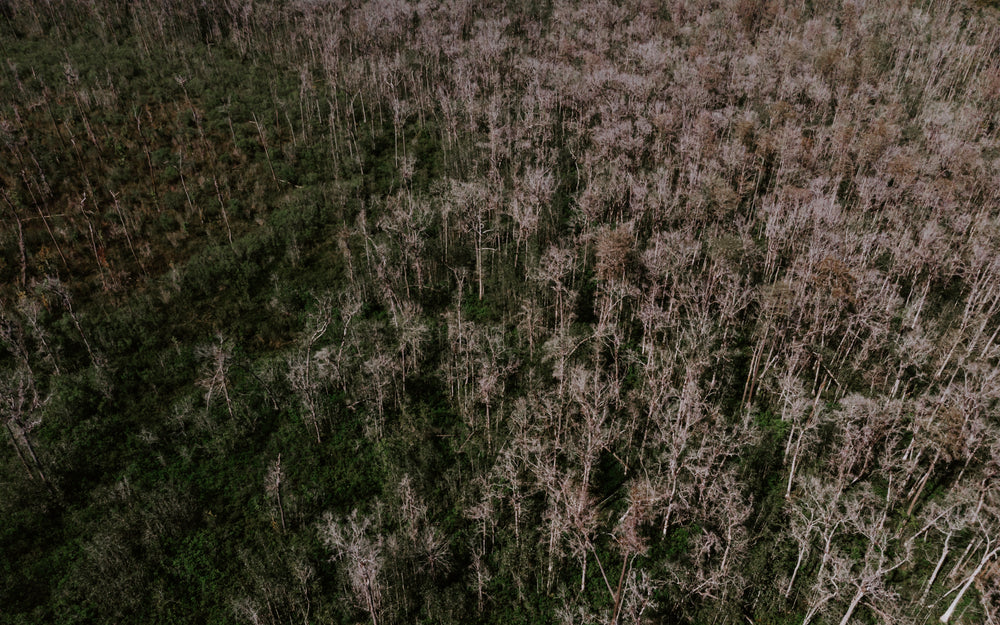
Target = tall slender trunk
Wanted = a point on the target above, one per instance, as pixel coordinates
(795, 460)
(816, 607)
(802, 432)
(923, 483)
(937, 569)
(34, 458)
(854, 604)
(798, 563)
(370, 600)
(968, 582)
(17, 448)
(828, 540)
(20, 244)
(222, 209)
(618, 592)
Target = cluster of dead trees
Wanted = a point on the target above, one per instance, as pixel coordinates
(696, 282)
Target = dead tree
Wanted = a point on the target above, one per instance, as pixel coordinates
(272, 485)
(20, 404)
(357, 544)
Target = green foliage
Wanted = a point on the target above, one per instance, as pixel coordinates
(678, 542)
(479, 310)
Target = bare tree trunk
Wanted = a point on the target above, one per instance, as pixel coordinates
(670, 503)
(17, 448)
(180, 172)
(600, 566)
(225, 394)
(128, 237)
(812, 612)
(277, 492)
(795, 459)
(937, 569)
(20, 243)
(798, 442)
(968, 582)
(828, 539)
(149, 159)
(48, 228)
(76, 322)
(618, 592)
(479, 263)
(854, 604)
(923, 482)
(798, 563)
(758, 352)
(371, 604)
(222, 207)
(263, 142)
(973, 545)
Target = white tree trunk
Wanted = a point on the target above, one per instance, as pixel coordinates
(968, 582)
(854, 603)
(798, 563)
(937, 569)
(795, 460)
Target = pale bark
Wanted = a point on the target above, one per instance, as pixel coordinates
(854, 604)
(987, 556)
(798, 563)
(937, 569)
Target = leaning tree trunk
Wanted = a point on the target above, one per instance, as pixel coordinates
(968, 582)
